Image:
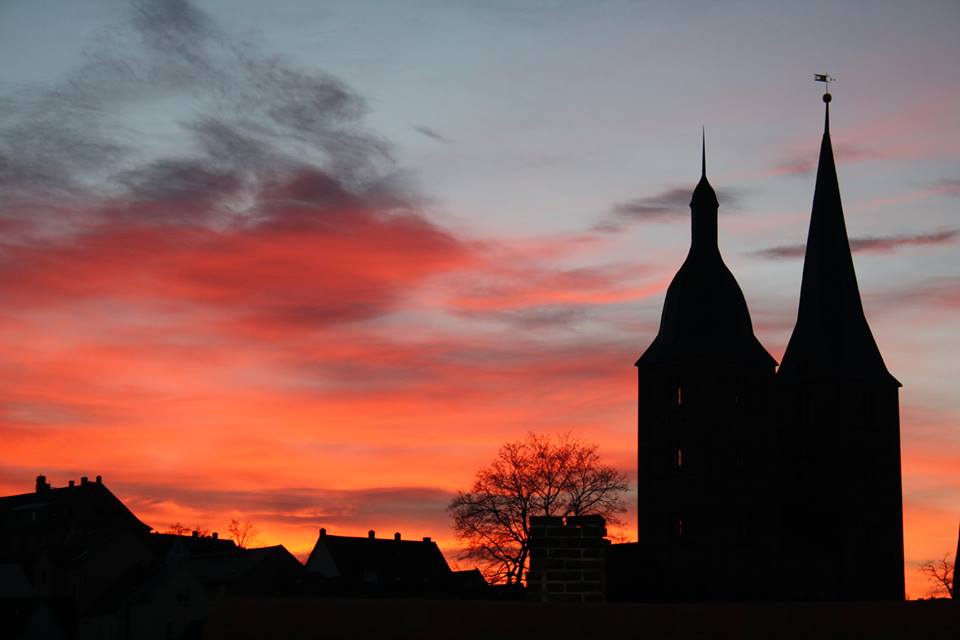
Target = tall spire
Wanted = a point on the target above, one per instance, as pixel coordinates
(703, 207)
(826, 115)
(831, 337)
(703, 151)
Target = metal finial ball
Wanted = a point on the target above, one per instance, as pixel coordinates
(827, 97)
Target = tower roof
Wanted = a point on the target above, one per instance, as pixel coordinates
(831, 338)
(705, 317)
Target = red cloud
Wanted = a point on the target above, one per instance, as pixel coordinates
(312, 268)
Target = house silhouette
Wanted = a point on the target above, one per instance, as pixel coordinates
(389, 567)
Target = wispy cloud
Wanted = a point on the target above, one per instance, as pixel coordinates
(869, 244)
(669, 205)
(257, 120)
(806, 163)
(433, 134)
(527, 287)
(947, 186)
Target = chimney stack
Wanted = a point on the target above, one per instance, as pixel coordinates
(427, 539)
(396, 536)
(99, 479)
(71, 483)
(42, 484)
(83, 481)
(216, 536)
(371, 534)
(323, 532)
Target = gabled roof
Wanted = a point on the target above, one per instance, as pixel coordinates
(243, 565)
(384, 561)
(705, 317)
(831, 338)
(53, 517)
(165, 544)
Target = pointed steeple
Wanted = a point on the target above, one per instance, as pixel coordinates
(703, 152)
(831, 338)
(703, 207)
(705, 316)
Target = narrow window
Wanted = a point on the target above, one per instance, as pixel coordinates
(679, 396)
(679, 457)
(679, 527)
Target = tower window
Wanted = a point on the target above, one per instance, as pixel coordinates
(679, 457)
(679, 395)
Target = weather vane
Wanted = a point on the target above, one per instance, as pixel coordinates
(824, 78)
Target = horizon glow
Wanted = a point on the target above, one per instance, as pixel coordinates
(311, 265)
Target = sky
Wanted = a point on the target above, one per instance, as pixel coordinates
(311, 263)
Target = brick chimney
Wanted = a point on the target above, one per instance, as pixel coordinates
(567, 559)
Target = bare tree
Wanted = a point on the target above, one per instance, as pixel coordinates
(940, 574)
(242, 534)
(535, 476)
(179, 529)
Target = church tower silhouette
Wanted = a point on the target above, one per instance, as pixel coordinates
(755, 484)
(842, 516)
(703, 443)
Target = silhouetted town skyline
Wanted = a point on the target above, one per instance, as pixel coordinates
(746, 471)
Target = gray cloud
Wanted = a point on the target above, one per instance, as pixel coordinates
(432, 134)
(667, 206)
(950, 187)
(868, 244)
(253, 119)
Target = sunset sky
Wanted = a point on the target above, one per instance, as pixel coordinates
(311, 263)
